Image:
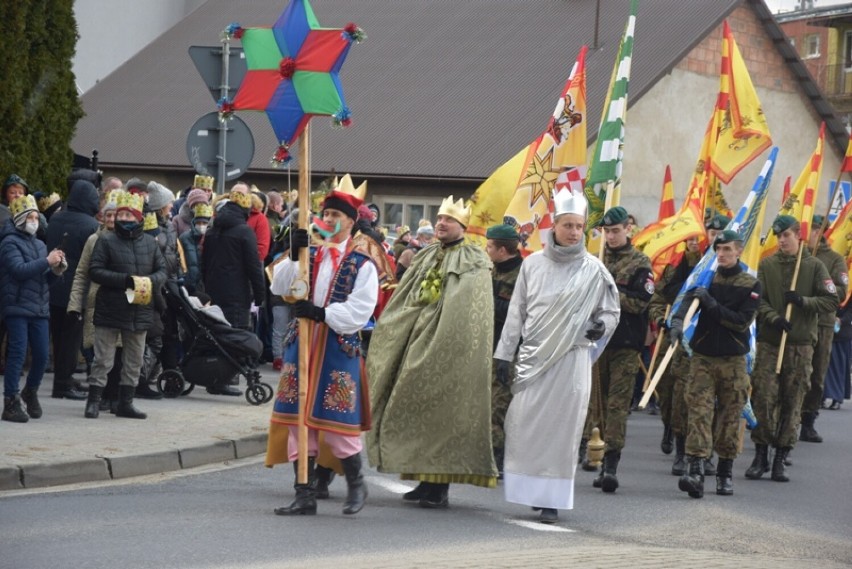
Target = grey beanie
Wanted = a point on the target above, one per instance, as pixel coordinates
(159, 196)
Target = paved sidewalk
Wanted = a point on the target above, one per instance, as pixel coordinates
(63, 447)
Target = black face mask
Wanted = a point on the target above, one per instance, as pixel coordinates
(127, 228)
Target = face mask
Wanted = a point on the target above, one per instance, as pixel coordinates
(31, 227)
(202, 229)
(127, 226)
(326, 231)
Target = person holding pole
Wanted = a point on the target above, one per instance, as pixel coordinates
(718, 381)
(344, 288)
(791, 276)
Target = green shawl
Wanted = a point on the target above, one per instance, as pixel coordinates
(429, 370)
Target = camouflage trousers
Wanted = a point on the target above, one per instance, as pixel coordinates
(777, 399)
(617, 375)
(501, 396)
(717, 386)
(822, 355)
(671, 389)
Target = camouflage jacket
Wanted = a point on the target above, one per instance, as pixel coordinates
(836, 266)
(670, 283)
(503, 277)
(631, 271)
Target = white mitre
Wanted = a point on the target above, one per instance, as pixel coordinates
(566, 201)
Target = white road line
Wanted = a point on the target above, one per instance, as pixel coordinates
(389, 485)
(538, 526)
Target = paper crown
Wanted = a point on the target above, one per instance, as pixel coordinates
(150, 221)
(22, 205)
(241, 199)
(566, 201)
(346, 186)
(204, 182)
(142, 291)
(202, 210)
(127, 200)
(45, 202)
(112, 198)
(455, 210)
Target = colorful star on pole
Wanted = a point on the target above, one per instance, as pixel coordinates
(293, 72)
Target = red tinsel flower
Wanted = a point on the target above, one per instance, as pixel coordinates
(287, 67)
(346, 122)
(350, 28)
(282, 154)
(227, 107)
(238, 33)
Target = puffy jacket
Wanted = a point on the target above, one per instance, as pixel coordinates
(114, 258)
(167, 240)
(257, 222)
(24, 274)
(190, 242)
(69, 229)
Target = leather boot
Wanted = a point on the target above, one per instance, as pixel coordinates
(667, 444)
(760, 464)
(808, 433)
(305, 503)
(609, 482)
(598, 481)
(13, 411)
(322, 478)
(144, 391)
(709, 467)
(30, 399)
(417, 493)
(679, 464)
(548, 516)
(93, 402)
(125, 403)
(356, 488)
(436, 496)
(67, 391)
(725, 477)
(693, 482)
(583, 456)
(498, 461)
(779, 473)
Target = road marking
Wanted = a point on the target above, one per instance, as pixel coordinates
(389, 485)
(538, 526)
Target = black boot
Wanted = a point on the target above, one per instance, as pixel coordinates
(416, 494)
(548, 516)
(498, 460)
(725, 477)
(583, 456)
(808, 433)
(356, 488)
(30, 399)
(322, 478)
(779, 470)
(437, 496)
(144, 391)
(305, 503)
(693, 482)
(93, 402)
(760, 464)
(609, 482)
(667, 444)
(679, 464)
(67, 391)
(709, 467)
(598, 481)
(13, 411)
(125, 403)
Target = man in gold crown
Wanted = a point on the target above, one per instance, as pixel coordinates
(432, 421)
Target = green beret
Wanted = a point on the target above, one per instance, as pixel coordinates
(782, 223)
(717, 222)
(614, 216)
(727, 236)
(817, 222)
(502, 231)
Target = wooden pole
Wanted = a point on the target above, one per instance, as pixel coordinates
(656, 353)
(789, 311)
(304, 324)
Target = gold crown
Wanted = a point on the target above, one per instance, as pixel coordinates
(23, 204)
(112, 197)
(346, 186)
(130, 201)
(204, 182)
(241, 199)
(456, 210)
(202, 210)
(45, 202)
(150, 221)
(142, 291)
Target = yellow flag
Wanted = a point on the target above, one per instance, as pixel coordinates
(839, 237)
(493, 196)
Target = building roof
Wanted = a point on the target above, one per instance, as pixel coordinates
(821, 15)
(437, 90)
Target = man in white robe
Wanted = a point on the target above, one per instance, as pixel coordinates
(565, 308)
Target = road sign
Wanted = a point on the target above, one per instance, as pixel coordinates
(202, 146)
(208, 62)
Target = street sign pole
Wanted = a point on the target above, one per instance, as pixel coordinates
(224, 90)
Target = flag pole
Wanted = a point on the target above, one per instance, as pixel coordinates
(656, 354)
(693, 308)
(610, 185)
(304, 325)
(824, 224)
(789, 312)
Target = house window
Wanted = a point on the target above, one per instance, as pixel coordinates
(811, 45)
(397, 210)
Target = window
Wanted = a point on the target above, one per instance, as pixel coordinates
(811, 46)
(847, 50)
(398, 210)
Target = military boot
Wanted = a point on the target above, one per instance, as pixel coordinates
(305, 503)
(583, 457)
(125, 403)
(323, 477)
(356, 492)
(93, 402)
(598, 481)
(693, 481)
(779, 473)
(709, 467)
(30, 399)
(13, 411)
(666, 445)
(760, 464)
(679, 464)
(808, 433)
(725, 477)
(609, 481)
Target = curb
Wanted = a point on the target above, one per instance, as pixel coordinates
(101, 468)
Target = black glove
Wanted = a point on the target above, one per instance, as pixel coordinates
(676, 331)
(298, 240)
(502, 372)
(705, 298)
(307, 309)
(75, 316)
(596, 332)
(128, 282)
(661, 324)
(793, 297)
(782, 324)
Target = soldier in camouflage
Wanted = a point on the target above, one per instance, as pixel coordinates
(619, 362)
(502, 249)
(836, 266)
(777, 398)
(718, 381)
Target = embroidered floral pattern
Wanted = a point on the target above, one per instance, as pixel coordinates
(340, 393)
(350, 345)
(288, 386)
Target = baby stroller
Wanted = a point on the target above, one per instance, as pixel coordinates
(214, 352)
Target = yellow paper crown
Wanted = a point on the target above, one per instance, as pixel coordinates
(455, 210)
(150, 221)
(23, 204)
(204, 182)
(45, 202)
(112, 197)
(142, 291)
(130, 201)
(346, 186)
(202, 210)
(241, 199)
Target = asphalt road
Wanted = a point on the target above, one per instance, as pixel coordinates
(222, 517)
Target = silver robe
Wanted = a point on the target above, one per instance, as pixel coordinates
(559, 292)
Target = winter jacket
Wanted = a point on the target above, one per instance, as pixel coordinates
(190, 242)
(257, 222)
(115, 257)
(631, 271)
(69, 229)
(183, 220)
(167, 240)
(24, 274)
